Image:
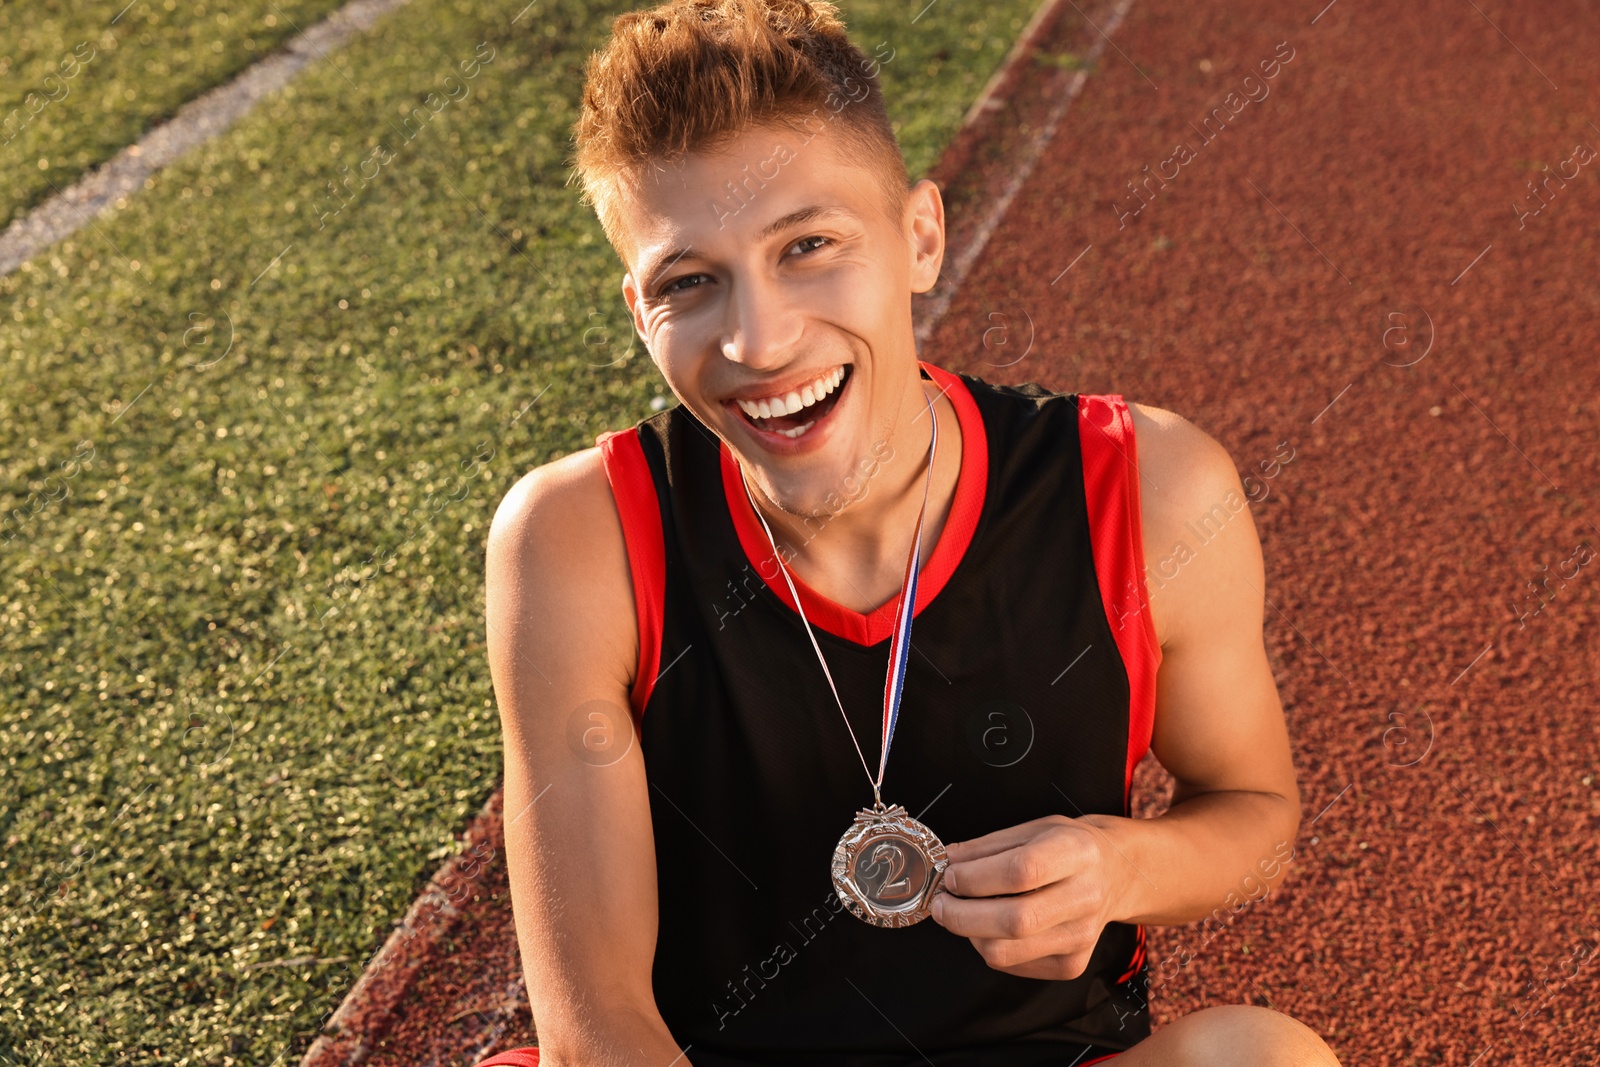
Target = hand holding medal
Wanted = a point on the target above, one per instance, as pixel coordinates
(887, 866)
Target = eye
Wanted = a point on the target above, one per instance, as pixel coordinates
(671, 287)
(814, 237)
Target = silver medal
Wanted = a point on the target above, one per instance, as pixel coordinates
(888, 866)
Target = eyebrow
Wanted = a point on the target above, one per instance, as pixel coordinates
(660, 264)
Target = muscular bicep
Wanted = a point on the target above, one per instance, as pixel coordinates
(579, 846)
(1219, 722)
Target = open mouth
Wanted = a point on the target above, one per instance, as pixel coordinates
(792, 424)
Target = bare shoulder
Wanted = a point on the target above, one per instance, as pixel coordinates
(556, 548)
(1194, 514)
(1171, 445)
(561, 492)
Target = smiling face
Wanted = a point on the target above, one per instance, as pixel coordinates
(772, 285)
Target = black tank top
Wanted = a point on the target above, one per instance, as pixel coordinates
(1029, 691)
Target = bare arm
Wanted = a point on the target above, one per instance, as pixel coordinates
(1219, 727)
(579, 847)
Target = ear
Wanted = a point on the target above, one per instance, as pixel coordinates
(630, 294)
(924, 217)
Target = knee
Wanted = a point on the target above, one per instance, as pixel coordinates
(1233, 1035)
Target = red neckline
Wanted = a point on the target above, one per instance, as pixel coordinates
(967, 505)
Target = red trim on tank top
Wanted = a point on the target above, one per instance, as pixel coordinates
(1100, 1059)
(1111, 489)
(634, 490)
(1137, 959)
(967, 504)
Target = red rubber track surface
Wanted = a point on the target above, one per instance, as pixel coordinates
(1352, 273)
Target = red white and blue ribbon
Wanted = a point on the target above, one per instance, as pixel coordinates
(899, 646)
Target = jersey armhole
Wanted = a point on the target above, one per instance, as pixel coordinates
(634, 490)
(1111, 488)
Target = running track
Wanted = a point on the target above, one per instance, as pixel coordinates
(1347, 266)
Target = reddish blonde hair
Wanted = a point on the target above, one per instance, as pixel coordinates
(689, 76)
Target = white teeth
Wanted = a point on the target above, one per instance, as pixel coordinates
(769, 407)
(798, 430)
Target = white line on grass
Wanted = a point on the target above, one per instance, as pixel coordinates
(198, 121)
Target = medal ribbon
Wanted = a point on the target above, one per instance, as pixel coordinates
(899, 646)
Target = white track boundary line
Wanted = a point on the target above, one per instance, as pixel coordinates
(1030, 158)
(200, 120)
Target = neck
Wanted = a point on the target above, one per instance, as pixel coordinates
(856, 555)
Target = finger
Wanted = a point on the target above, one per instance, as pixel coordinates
(1062, 943)
(1015, 918)
(998, 841)
(1046, 956)
(1049, 856)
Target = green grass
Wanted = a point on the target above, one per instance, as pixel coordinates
(249, 464)
(78, 81)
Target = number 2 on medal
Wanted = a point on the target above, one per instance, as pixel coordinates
(897, 864)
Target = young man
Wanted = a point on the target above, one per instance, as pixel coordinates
(685, 744)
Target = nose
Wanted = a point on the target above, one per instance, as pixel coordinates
(763, 323)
